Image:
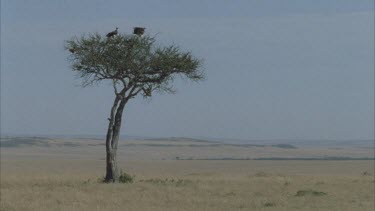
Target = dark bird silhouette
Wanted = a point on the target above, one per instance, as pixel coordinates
(112, 33)
(139, 31)
(71, 50)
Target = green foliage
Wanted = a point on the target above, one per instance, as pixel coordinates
(101, 180)
(133, 63)
(126, 178)
(269, 204)
(310, 193)
(123, 178)
(166, 181)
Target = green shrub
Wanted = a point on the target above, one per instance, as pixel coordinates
(101, 180)
(126, 178)
(123, 178)
(268, 204)
(166, 181)
(310, 193)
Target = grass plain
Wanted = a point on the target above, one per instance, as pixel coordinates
(63, 175)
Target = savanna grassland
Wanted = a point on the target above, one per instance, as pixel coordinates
(64, 175)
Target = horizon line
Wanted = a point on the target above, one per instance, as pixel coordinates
(3, 135)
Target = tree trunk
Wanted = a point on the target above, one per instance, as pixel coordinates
(112, 138)
(111, 168)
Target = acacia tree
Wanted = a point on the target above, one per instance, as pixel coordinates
(135, 65)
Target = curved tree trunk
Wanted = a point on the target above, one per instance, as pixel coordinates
(113, 135)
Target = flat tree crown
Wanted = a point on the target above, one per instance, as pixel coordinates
(135, 64)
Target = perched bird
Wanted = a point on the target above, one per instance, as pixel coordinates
(112, 33)
(71, 50)
(139, 31)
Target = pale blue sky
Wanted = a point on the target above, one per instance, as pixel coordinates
(291, 69)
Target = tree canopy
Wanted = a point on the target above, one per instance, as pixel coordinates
(135, 64)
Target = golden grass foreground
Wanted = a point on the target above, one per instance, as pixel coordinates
(69, 184)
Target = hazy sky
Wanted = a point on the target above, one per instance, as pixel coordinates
(290, 69)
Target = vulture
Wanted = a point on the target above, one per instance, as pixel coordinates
(139, 31)
(112, 33)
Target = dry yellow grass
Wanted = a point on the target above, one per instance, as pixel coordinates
(71, 184)
(63, 175)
